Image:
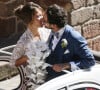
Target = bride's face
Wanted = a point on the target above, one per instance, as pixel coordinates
(37, 19)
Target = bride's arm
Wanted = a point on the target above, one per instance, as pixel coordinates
(21, 61)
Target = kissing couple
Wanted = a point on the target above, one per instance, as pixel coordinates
(48, 46)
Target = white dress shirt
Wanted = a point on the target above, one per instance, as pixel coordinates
(56, 40)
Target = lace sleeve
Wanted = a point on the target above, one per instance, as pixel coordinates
(17, 53)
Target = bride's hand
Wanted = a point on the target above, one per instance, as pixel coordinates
(21, 61)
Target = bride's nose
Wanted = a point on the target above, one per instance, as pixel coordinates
(40, 17)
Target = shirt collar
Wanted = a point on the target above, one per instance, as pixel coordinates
(60, 31)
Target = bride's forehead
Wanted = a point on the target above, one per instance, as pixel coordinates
(38, 12)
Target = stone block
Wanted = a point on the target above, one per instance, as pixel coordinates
(90, 43)
(81, 15)
(7, 7)
(4, 0)
(96, 11)
(46, 3)
(90, 2)
(11, 5)
(3, 9)
(78, 3)
(91, 28)
(98, 1)
(96, 44)
(78, 28)
(7, 26)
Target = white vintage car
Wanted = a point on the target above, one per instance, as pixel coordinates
(87, 79)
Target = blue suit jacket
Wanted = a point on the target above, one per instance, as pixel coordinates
(78, 52)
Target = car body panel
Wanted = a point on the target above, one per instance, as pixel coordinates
(77, 79)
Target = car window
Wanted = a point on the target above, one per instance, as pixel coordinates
(63, 88)
(9, 76)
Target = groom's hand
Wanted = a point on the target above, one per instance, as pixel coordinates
(60, 67)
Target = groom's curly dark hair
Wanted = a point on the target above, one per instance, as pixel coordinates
(57, 15)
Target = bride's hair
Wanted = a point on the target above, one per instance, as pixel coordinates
(25, 12)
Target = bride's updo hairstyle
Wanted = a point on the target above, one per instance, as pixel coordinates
(25, 12)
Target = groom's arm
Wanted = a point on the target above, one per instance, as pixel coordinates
(81, 49)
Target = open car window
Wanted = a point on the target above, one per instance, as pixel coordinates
(10, 77)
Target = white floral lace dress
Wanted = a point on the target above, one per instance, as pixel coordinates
(34, 71)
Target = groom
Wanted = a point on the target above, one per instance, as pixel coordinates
(69, 50)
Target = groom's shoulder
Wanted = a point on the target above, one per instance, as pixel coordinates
(72, 33)
(69, 28)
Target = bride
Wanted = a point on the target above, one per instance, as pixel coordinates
(31, 49)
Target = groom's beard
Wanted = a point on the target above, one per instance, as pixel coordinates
(48, 27)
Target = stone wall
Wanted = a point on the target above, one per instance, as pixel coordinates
(10, 27)
(83, 15)
(8, 22)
